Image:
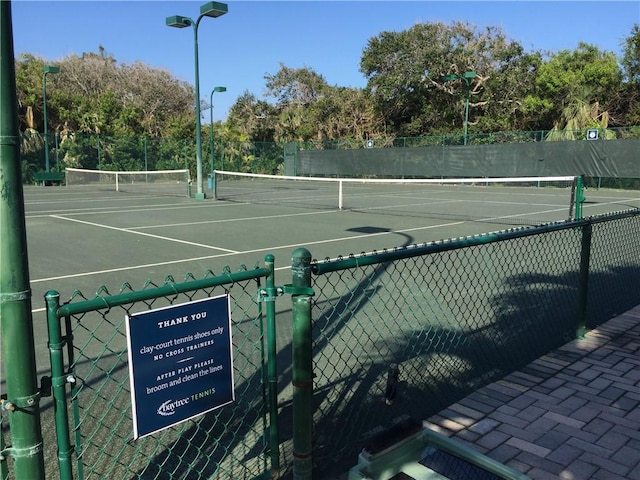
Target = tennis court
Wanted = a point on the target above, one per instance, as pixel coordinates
(83, 238)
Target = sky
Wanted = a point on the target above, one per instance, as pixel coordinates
(254, 38)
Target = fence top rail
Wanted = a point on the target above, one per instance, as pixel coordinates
(398, 253)
(101, 303)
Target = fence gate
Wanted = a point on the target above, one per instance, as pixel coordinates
(91, 386)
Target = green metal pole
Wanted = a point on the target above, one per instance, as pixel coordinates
(4, 468)
(200, 195)
(580, 198)
(272, 368)
(302, 367)
(583, 287)
(211, 120)
(55, 137)
(466, 111)
(59, 382)
(18, 351)
(46, 129)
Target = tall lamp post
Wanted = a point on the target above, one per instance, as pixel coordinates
(47, 69)
(209, 9)
(466, 77)
(220, 90)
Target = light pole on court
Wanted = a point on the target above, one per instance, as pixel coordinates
(209, 9)
(220, 90)
(47, 69)
(466, 77)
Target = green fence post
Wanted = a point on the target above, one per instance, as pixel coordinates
(18, 352)
(272, 367)
(59, 381)
(583, 286)
(4, 468)
(302, 366)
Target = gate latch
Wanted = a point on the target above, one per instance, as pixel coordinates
(270, 294)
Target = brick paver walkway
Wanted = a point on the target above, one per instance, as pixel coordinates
(570, 415)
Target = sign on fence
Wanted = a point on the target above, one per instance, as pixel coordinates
(180, 363)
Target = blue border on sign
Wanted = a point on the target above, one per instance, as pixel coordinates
(180, 363)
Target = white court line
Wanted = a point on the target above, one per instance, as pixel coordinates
(258, 250)
(264, 217)
(103, 210)
(598, 204)
(69, 197)
(144, 234)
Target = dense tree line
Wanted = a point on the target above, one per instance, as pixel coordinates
(406, 93)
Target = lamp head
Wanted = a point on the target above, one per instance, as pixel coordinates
(213, 9)
(469, 75)
(219, 89)
(178, 21)
(51, 69)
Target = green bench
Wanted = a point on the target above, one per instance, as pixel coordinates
(42, 178)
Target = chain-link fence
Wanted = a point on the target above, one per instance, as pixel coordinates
(88, 341)
(412, 330)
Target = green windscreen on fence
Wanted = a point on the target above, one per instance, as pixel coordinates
(602, 158)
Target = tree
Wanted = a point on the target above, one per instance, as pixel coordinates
(253, 118)
(94, 94)
(295, 86)
(296, 90)
(29, 70)
(405, 73)
(628, 111)
(571, 79)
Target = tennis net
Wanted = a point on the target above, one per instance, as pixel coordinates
(511, 201)
(159, 182)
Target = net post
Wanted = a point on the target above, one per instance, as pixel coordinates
(340, 195)
(579, 197)
(117, 186)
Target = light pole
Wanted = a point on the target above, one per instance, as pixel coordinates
(466, 77)
(47, 69)
(209, 9)
(215, 89)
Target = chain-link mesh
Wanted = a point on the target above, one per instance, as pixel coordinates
(615, 255)
(413, 335)
(226, 443)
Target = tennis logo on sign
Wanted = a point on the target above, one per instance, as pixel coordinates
(169, 407)
(592, 134)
